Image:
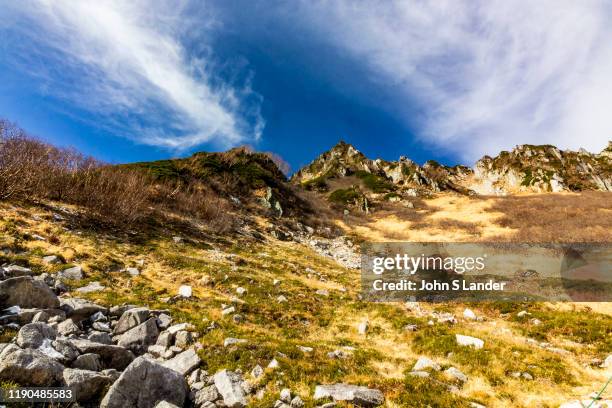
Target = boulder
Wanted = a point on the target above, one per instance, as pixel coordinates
(80, 309)
(32, 335)
(424, 363)
(206, 394)
(86, 384)
(143, 384)
(184, 363)
(27, 292)
(68, 327)
(456, 374)
(463, 340)
(13, 271)
(183, 339)
(89, 361)
(229, 385)
(356, 395)
(100, 337)
(185, 291)
(66, 349)
(92, 287)
(29, 367)
(140, 337)
(131, 318)
(52, 259)
(165, 339)
(112, 356)
(74, 273)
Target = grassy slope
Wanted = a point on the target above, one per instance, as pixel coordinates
(381, 359)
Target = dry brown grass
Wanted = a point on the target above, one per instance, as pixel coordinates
(567, 217)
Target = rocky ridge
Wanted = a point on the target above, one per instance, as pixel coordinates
(527, 168)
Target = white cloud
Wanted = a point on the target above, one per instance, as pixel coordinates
(128, 60)
(487, 74)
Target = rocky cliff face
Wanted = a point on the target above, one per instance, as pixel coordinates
(527, 168)
(545, 168)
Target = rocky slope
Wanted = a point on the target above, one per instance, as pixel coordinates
(527, 168)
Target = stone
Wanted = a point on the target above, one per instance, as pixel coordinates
(86, 384)
(32, 335)
(29, 367)
(131, 318)
(184, 363)
(112, 356)
(13, 271)
(456, 374)
(80, 309)
(469, 314)
(66, 349)
(362, 328)
(281, 299)
(178, 327)
(230, 341)
(164, 321)
(41, 316)
(228, 310)
(140, 337)
(607, 363)
(207, 394)
(296, 402)
(185, 291)
(165, 404)
(228, 384)
(463, 340)
(144, 383)
(156, 351)
(100, 337)
(89, 361)
(322, 292)
(165, 339)
(68, 327)
(52, 259)
(241, 291)
(74, 273)
(92, 287)
(285, 395)
(305, 349)
(357, 395)
(522, 313)
(26, 292)
(132, 271)
(424, 363)
(98, 317)
(273, 363)
(119, 310)
(257, 372)
(183, 339)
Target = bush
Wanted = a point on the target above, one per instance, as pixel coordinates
(344, 196)
(33, 170)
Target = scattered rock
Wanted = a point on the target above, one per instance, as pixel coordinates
(132, 271)
(14, 271)
(257, 372)
(74, 273)
(469, 314)
(285, 395)
(131, 318)
(183, 339)
(463, 340)
(92, 287)
(229, 385)
(240, 291)
(67, 328)
(112, 356)
(424, 363)
(89, 361)
(232, 341)
(322, 292)
(185, 291)
(140, 337)
(86, 384)
(456, 374)
(52, 259)
(32, 335)
(362, 328)
(281, 299)
(29, 367)
(80, 309)
(184, 363)
(26, 292)
(357, 395)
(143, 384)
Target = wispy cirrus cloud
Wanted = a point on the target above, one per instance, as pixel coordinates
(129, 62)
(485, 75)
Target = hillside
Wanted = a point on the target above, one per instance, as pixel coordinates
(250, 303)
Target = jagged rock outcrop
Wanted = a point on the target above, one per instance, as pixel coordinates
(527, 168)
(545, 168)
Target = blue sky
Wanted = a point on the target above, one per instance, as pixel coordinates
(130, 81)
